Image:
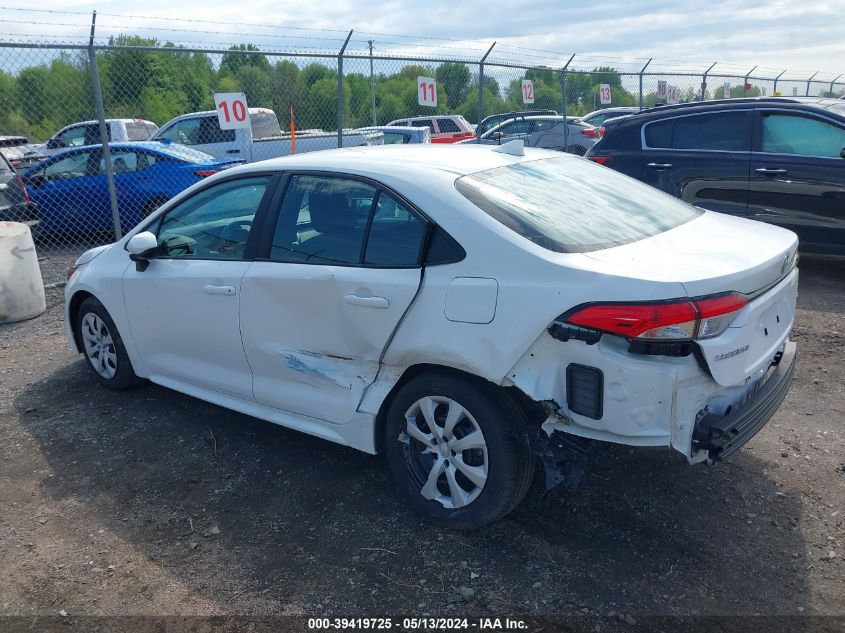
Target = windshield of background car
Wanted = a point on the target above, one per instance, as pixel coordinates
(570, 205)
(264, 125)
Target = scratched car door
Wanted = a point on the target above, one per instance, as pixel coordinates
(320, 306)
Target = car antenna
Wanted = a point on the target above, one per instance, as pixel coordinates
(514, 148)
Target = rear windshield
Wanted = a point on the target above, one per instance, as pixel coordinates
(264, 125)
(570, 205)
(140, 131)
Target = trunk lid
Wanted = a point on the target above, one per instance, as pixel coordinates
(716, 253)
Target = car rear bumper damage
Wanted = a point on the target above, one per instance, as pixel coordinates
(723, 433)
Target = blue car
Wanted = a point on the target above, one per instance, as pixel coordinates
(71, 194)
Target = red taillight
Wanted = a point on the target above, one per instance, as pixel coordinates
(23, 187)
(592, 132)
(205, 173)
(70, 271)
(601, 160)
(704, 317)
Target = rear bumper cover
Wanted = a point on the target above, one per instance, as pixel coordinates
(722, 435)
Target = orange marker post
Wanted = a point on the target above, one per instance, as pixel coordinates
(292, 133)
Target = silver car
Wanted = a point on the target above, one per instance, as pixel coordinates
(565, 134)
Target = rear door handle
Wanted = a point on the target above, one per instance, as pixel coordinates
(369, 302)
(769, 172)
(233, 151)
(659, 166)
(219, 290)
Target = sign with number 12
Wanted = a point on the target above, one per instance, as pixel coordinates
(232, 112)
(527, 91)
(426, 92)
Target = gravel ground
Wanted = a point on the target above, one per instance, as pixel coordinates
(150, 502)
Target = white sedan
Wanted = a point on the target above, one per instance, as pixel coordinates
(469, 311)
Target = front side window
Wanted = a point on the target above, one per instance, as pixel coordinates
(121, 163)
(790, 134)
(424, 123)
(572, 206)
(74, 137)
(725, 131)
(73, 166)
(213, 224)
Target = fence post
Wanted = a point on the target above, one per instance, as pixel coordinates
(563, 94)
(340, 90)
(704, 80)
(745, 83)
(641, 81)
(833, 82)
(372, 83)
(775, 88)
(807, 92)
(104, 133)
(481, 89)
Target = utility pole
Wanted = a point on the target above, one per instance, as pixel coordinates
(372, 83)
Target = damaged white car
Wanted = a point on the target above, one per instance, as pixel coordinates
(467, 310)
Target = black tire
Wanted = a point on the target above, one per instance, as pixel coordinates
(509, 462)
(123, 375)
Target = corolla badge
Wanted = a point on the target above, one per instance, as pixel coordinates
(731, 354)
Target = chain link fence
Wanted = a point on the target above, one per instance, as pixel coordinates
(102, 134)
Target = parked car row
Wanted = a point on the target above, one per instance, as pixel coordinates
(565, 134)
(778, 160)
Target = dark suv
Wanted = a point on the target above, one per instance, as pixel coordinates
(777, 160)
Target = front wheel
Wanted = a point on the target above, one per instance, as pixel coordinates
(454, 447)
(103, 347)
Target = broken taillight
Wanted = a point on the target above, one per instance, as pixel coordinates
(23, 188)
(682, 319)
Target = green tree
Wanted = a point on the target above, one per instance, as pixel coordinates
(234, 62)
(455, 79)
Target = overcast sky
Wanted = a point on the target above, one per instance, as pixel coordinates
(803, 37)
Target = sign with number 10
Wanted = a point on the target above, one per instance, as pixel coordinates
(232, 112)
(527, 91)
(604, 94)
(426, 92)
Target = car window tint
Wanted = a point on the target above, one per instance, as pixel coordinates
(424, 123)
(214, 223)
(121, 162)
(659, 133)
(396, 234)
(210, 132)
(556, 203)
(543, 126)
(322, 221)
(788, 134)
(715, 131)
(73, 166)
(396, 138)
(447, 125)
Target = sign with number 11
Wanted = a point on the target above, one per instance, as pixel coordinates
(426, 92)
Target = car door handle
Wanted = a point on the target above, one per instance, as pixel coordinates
(233, 151)
(659, 166)
(769, 172)
(219, 290)
(369, 302)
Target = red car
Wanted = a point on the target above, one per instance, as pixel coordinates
(445, 128)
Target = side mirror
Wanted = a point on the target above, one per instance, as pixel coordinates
(142, 247)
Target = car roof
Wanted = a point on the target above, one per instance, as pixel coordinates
(397, 160)
(189, 115)
(392, 128)
(821, 101)
(614, 109)
(171, 149)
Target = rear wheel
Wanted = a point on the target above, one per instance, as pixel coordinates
(453, 447)
(103, 347)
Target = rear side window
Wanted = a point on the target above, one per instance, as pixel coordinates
(264, 125)
(725, 131)
(790, 134)
(424, 123)
(447, 125)
(569, 205)
(140, 131)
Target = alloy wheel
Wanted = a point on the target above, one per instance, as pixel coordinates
(99, 345)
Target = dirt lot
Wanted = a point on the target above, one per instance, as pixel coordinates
(150, 502)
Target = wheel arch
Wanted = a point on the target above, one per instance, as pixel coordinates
(73, 312)
(533, 410)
